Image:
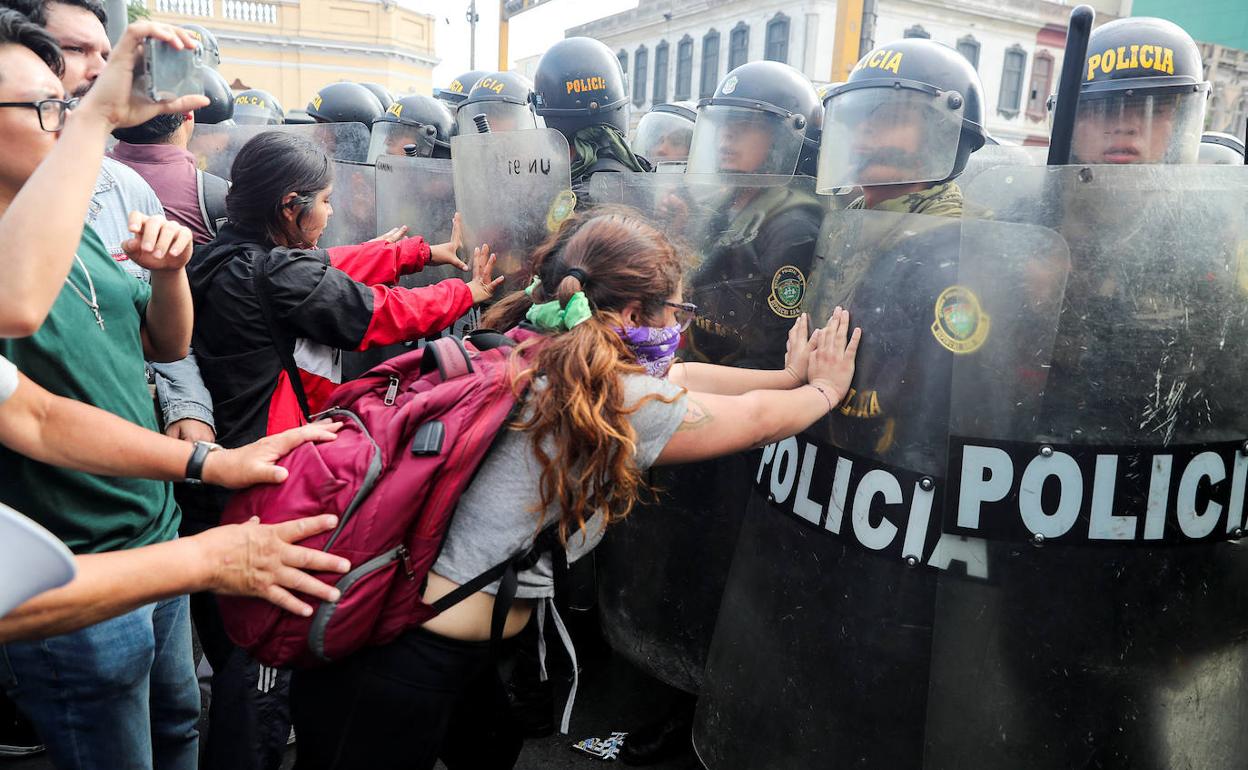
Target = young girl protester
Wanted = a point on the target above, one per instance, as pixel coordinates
(605, 403)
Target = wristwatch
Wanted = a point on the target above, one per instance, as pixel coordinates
(195, 465)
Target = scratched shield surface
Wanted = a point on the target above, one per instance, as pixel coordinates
(512, 190)
(216, 145)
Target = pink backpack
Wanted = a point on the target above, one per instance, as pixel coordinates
(415, 429)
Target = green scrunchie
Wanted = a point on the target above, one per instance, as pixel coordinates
(551, 316)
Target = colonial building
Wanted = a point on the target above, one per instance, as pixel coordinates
(292, 48)
(680, 49)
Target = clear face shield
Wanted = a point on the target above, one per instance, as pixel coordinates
(1144, 128)
(1219, 155)
(662, 136)
(501, 116)
(254, 115)
(887, 136)
(391, 138)
(728, 139)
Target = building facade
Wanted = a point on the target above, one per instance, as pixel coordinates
(292, 48)
(674, 49)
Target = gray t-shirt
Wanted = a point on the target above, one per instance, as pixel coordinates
(495, 518)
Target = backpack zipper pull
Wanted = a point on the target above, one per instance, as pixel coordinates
(405, 556)
(392, 392)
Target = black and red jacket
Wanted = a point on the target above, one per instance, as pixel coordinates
(326, 299)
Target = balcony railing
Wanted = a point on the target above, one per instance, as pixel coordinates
(185, 7)
(246, 10)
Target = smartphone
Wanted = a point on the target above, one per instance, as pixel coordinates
(164, 72)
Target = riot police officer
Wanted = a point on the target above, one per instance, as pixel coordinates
(503, 99)
(345, 102)
(579, 90)
(1221, 149)
(663, 134)
(220, 107)
(381, 92)
(256, 107)
(298, 117)
(457, 90)
(418, 122)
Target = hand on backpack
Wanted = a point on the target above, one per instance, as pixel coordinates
(483, 283)
(261, 560)
(448, 253)
(256, 463)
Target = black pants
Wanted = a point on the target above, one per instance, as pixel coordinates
(418, 699)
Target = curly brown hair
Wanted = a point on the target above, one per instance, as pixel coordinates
(580, 412)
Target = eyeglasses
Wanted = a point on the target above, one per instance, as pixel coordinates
(685, 312)
(52, 112)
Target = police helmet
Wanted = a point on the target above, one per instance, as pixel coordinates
(455, 93)
(381, 92)
(298, 117)
(910, 112)
(579, 83)
(665, 132)
(345, 102)
(413, 120)
(220, 107)
(765, 103)
(1143, 95)
(207, 43)
(504, 99)
(257, 108)
(1219, 149)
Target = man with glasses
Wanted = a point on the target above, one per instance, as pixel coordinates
(121, 693)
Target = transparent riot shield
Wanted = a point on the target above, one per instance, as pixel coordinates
(355, 206)
(419, 193)
(750, 242)
(822, 651)
(1114, 631)
(512, 190)
(215, 146)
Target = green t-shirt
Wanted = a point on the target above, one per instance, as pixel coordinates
(71, 356)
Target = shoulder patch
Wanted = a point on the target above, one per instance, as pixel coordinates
(788, 289)
(961, 325)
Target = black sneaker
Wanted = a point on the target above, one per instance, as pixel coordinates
(17, 734)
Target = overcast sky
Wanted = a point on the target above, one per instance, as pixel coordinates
(532, 32)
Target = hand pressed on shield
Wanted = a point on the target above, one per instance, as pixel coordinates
(158, 244)
(798, 348)
(393, 235)
(261, 560)
(831, 365)
(448, 253)
(483, 284)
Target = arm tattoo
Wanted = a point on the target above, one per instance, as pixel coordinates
(696, 415)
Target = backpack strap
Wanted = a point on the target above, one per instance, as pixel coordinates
(211, 190)
(283, 342)
(488, 339)
(448, 355)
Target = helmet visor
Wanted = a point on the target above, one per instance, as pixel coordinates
(662, 136)
(391, 138)
(255, 115)
(1143, 128)
(728, 139)
(1219, 155)
(501, 116)
(883, 136)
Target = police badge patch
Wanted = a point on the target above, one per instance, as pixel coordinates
(961, 325)
(788, 288)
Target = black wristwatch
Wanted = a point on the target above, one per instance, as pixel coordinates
(195, 465)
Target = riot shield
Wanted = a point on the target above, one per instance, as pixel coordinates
(419, 193)
(215, 146)
(751, 243)
(355, 207)
(512, 190)
(823, 646)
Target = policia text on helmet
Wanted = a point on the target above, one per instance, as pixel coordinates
(908, 118)
(764, 118)
(1143, 95)
(503, 99)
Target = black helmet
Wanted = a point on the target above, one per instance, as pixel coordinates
(1219, 149)
(926, 89)
(207, 43)
(256, 107)
(579, 83)
(298, 117)
(381, 92)
(455, 93)
(772, 99)
(345, 102)
(220, 108)
(413, 120)
(665, 132)
(1143, 95)
(504, 98)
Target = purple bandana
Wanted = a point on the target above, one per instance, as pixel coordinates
(655, 346)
